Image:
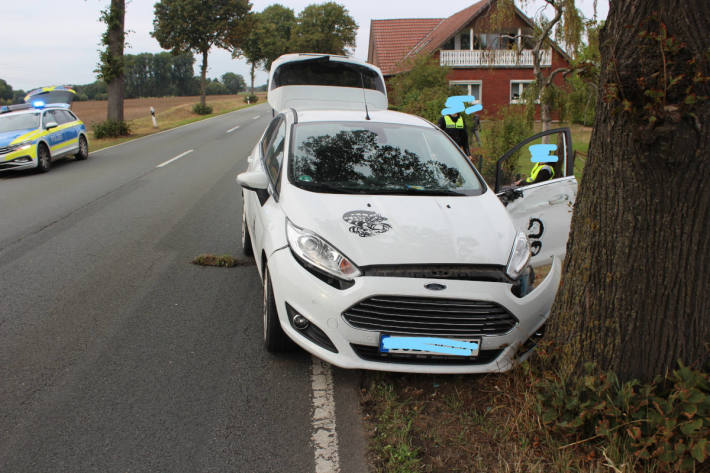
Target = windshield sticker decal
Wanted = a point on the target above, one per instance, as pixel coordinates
(305, 178)
(366, 223)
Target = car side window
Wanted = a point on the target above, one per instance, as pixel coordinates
(51, 116)
(66, 116)
(269, 134)
(275, 153)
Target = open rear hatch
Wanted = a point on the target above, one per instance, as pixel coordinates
(321, 81)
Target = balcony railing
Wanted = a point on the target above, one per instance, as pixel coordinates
(492, 58)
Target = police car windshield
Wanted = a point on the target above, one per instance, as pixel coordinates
(378, 158)
(20, 121)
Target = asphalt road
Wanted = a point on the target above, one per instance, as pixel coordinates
(116, 353)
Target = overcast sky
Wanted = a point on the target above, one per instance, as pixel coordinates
(49, 42)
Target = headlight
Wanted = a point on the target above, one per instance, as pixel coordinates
(24, 145)
(519, 256)
(316, 251)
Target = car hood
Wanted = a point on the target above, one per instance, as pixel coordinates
(392, 229)
(7, 137)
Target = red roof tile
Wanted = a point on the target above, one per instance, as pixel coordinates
(447, 28)
(391, 40)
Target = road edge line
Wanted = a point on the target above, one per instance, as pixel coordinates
(324, 435)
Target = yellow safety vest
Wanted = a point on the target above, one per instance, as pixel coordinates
(536, 170)
(450, 123)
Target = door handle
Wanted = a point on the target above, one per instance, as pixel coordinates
(559, 199)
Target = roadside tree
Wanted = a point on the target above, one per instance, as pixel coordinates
(234, 83)
(634, 292)
(196, 26)
(111, 66)
(324, 28)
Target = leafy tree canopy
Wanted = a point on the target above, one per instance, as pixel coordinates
(197, 25)
(234, 83)
(324, 28)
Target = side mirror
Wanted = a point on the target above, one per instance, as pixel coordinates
(253, 181)
(51, 125)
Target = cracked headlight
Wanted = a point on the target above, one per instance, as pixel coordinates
(317, 252)
(519, 256)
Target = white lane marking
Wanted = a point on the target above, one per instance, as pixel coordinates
(175, 158)
(256, 117)
(324, 436)
(232, 129)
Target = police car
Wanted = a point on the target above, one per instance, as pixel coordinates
(379, 245)
(34, 134)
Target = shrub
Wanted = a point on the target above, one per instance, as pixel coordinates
(666, 422)
(422, 90)
(251, 98)
(509, 127)
(111, 129)
(202, 109)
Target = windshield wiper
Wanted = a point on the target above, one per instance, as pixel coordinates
(412, 191)
(322, 187)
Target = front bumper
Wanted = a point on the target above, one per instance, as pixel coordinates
(323, 306)
(19, 159)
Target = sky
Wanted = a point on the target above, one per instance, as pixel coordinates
(66, 50)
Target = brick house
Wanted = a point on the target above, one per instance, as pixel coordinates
(494, 66)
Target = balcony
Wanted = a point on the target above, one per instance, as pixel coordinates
(492, 58)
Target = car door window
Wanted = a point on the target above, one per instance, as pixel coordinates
(269, 134)
(275, 153)
(63, 116)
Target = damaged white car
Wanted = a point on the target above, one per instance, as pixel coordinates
(379, 244)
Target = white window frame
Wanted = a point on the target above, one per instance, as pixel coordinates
(510, 90)
(469, 83)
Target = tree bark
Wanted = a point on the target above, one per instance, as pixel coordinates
(203, 79)
(634, 295)
(253, 65)
(115, 87)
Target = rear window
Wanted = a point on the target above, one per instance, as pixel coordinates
(321, 71)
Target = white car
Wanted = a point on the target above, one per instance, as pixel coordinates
(379, 244)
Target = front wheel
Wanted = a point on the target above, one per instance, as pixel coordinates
(44, 160)
(83, 149)
(275, 340)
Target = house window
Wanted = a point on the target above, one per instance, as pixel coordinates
(468, 87)
(449, 45)
(465, 40)
(517, 90)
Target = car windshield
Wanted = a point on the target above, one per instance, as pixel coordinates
(22, 121)
(378, 158)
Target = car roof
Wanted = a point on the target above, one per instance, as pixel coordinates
(376, 116)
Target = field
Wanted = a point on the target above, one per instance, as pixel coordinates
(169, 111)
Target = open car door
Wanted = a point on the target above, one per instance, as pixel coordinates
(542, 210)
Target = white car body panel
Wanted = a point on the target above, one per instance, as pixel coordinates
(438, 230)
(544, 214)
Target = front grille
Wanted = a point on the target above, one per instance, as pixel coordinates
(7, 149)
(370, 353)
(465, 272)
(430, 316)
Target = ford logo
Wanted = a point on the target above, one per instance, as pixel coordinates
(435, 287)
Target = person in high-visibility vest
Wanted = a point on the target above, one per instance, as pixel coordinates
(454, 127)
(539, 173)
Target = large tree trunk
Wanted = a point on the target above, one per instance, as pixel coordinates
(635, 295)
(203, 79)
(115, 87)
(253, 65)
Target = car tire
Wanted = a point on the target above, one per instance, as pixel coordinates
(275, 340)
(247, 248)
(83, 149)
(44, 159)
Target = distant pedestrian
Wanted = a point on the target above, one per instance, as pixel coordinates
(454, 127)
(476, 127)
